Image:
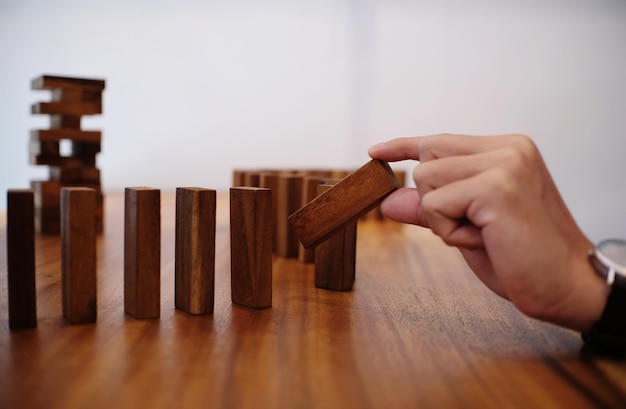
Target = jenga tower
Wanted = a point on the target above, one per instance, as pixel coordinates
(71, 99)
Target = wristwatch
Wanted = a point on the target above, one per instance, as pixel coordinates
(608, 335)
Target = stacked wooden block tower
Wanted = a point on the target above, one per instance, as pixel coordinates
(72, 98)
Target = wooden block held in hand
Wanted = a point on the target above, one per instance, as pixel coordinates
(142, 252)
(350, 198)
(195, 250)
(335, 257)
(251, 246)
(20, 230)
(78, 254)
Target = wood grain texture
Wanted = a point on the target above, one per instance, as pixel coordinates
(20, 247)
(251, 246)
(78, 255)
(142, 252)
(289, 200)
(350, 198)
(195, 250)
(335, 257)
(418, 330)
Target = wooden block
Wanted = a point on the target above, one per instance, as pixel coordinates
(67, 94)
(78, 254)
(239, 178)
(56, 135)
(47, 207)
(269, 180)
(142, 252)
(252, 178)
(54, 82)
(289, 200)
(88, 149)
(71, 108)
(65, 122)
(75, 174)
(335, 257)
(350, 198)
(251, 246)
(20, 230)
(309, 192)
(195, 250)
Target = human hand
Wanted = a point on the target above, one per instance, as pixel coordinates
(494, 199)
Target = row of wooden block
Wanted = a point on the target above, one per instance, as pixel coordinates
(250, 243)
(293, 188)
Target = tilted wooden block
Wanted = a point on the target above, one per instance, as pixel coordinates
(142, 252)
(350, 198)
(195, 250)
(78, 254)
(289, 200)
(54, 82)
(335, 257)
(20, 230)
(251, 246)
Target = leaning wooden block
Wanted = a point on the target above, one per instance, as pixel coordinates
(142, 252)
(251, 246)
(78, 254)
(195, 250)
(335, 257)
(20, 231)
(350, 198)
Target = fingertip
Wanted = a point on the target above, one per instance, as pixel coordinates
(374, 149)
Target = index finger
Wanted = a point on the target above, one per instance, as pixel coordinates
(424, 148)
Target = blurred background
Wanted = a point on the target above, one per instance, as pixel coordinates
(198, 88)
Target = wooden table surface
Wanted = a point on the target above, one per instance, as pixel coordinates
(417, 331)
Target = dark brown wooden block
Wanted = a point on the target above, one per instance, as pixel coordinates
(71, 94)
(335, 257)
(251, 246)
(350, 198)
(270, 180)
(71, 108)
(54, 82)
(75, 174)
(289, 200)
(56, 135)
(78, 254)
(142, 252)
(309, 192)
(195, 250)
(65, 122)
(20, 232)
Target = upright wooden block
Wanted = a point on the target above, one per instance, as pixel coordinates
(251, 246)
(309, 192)
(269, 180)
(78, 254)
(335, 257)
(345, 202)
(195, 250)
(289, 200)
(47, 206)
(20, 230)
(142, 252)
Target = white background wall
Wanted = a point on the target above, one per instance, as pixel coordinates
(197, 88)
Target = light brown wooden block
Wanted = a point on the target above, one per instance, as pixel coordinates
(78, 254)
(350, 198)
(195, 250)
(142, 252)
(251, 246)
(54, 82)
(289, 200)
(20, 230)
(335, 257)
(309, 192)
